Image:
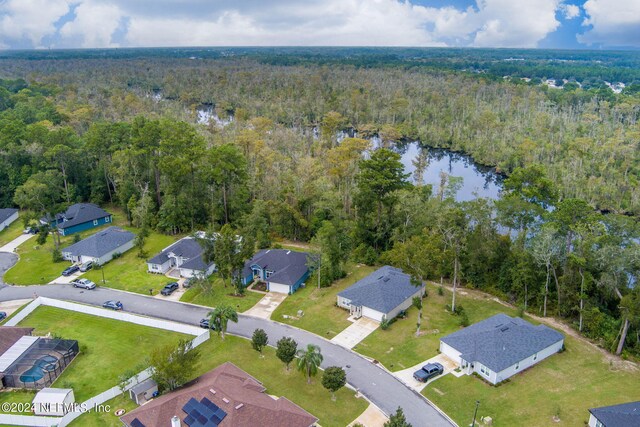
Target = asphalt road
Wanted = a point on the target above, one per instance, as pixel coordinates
(379, 386)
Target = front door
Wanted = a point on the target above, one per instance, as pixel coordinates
(356, 311)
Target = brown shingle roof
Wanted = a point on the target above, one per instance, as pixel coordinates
(233, 387)
(9, 335)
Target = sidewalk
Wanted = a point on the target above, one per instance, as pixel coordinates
(356, 332)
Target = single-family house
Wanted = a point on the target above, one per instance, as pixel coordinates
(283, 270)
(501, 346)
(101, 246)
(381, 295)
(187, 255)
(54, 402)
(7, 216)
(623, 415)
(224, 397)
(79, 217)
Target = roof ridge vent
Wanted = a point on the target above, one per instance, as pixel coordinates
(288, 252)
(225, 400)
(239, 406)
(212, 391)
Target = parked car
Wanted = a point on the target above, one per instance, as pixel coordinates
(69, 271)
(30, 230)
(83, 283)
(187, 283)
(204, 323)
(169, 288)
(3, 315)
(113, 305)
(86, 266)
(428, 371)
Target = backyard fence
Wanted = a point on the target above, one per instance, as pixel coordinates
(201, 335)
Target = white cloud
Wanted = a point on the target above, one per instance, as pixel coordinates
(93, 25)
(612, 22)
(570, 11)
(30, 19)
(488, 23)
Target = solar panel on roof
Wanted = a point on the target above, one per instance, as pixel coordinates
(137, 423)
(203, 414)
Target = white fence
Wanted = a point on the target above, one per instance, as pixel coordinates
(201, 335)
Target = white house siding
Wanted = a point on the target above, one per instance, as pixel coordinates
(7, 222)
(344, 302)
(450, 352)
(593, 421)
(405, 305)
(529, 361)
(279, 287)
(372, 314)
(159, 268)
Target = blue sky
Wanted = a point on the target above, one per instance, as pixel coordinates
(29, 24)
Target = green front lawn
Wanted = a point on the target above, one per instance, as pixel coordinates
(106, 418)
(108, 348)
(566, 384)
(129, 272)
(12, 231)
(271, 372)
(16, 396)
(321, 315)
(397, 348)
(219, 294)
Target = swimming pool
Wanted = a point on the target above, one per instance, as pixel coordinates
(40, 366)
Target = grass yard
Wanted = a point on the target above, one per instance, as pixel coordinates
(271, 372)
(129, 272)
(566, 384)
(107, 418)
(108, 348)
(397, 348)
(12, 231)
(321, 316)
(221, 294)
(16, 396)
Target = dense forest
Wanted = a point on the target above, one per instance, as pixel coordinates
(562, 239)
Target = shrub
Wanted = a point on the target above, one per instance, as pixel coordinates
(116, 255)
(76, 238)
(464, 320)
(440, 290)
(384, 325)
(56, 255)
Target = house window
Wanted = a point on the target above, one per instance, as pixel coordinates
(107, 219)
(599, 424)
(95, 222)
(517, 365)
(535, 356)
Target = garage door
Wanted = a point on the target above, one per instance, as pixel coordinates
(280, 288)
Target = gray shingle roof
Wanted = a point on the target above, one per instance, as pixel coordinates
(501, 341)
(6, 213)
(101, 243)
(79, 213)
(383, 290)
(187, 248)
(624, 415)
(288, 266)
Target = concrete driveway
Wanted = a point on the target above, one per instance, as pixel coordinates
(65, 280)
(406, 375)
(356, 332)
(371, 417)
(12, 245)
(267, 305)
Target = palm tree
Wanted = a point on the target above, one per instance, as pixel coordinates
(309, 360)
(221, 316)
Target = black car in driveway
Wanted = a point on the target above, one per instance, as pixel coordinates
(204, 323)
(169, 288)
(69, 271)
(113, 305)
(428, 371)
(3, 315)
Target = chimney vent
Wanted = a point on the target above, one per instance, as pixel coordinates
(175, 421)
